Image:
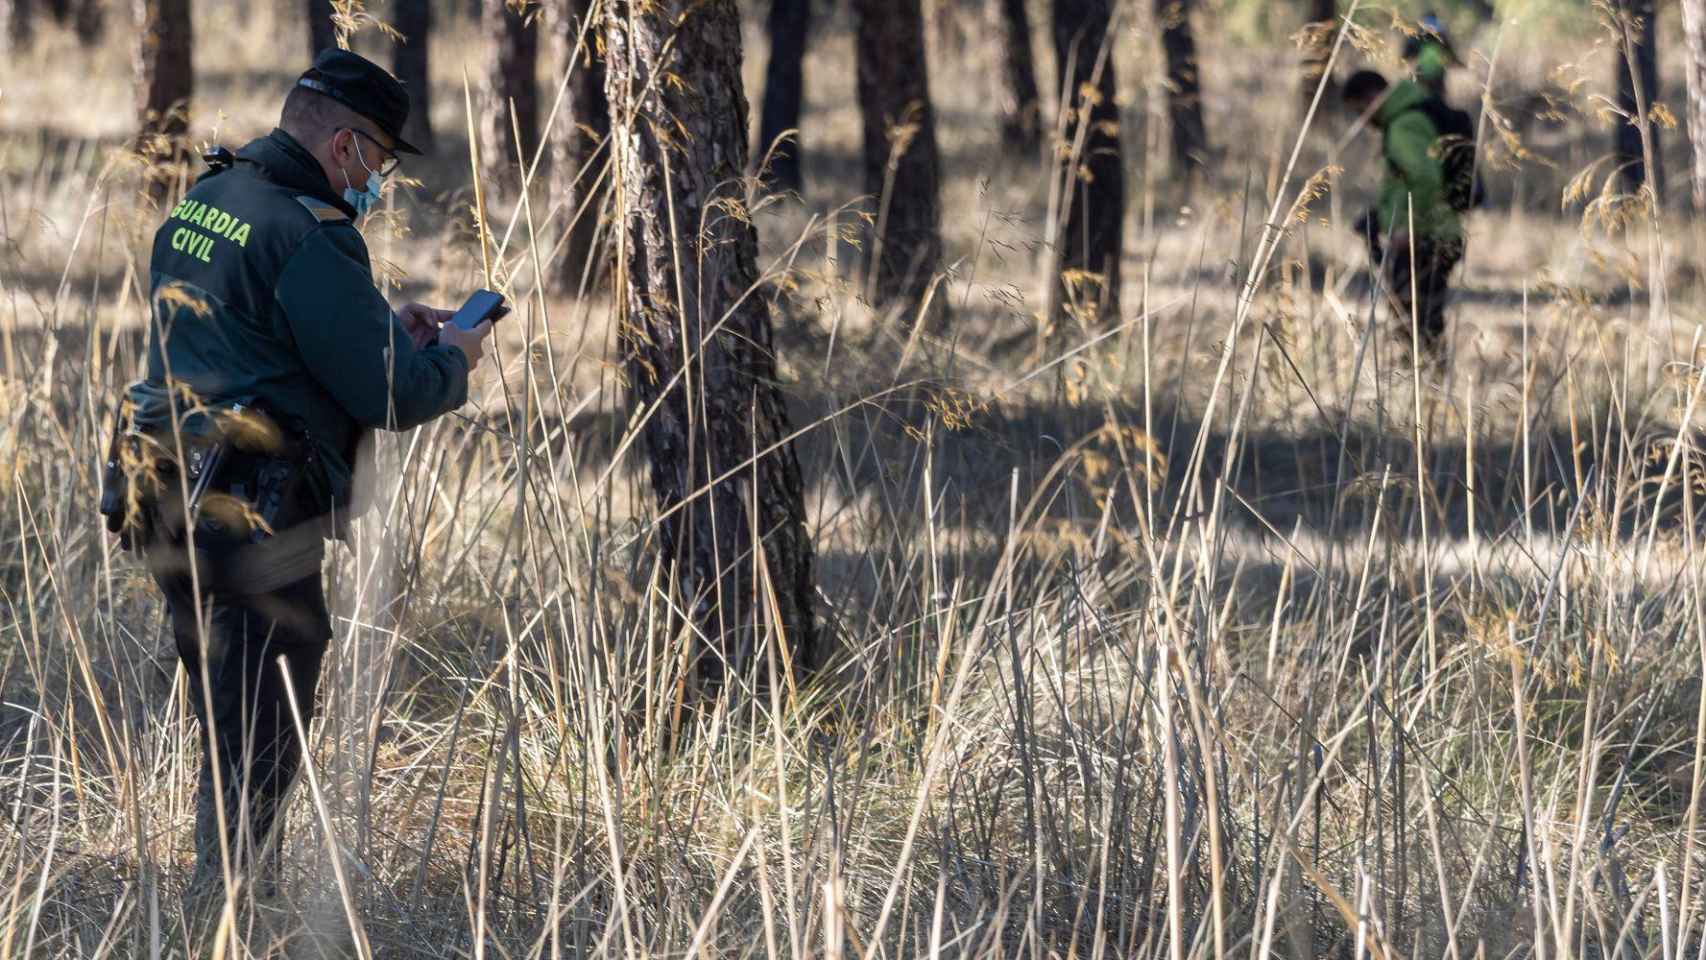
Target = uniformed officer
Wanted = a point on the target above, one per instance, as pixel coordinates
(265, 313)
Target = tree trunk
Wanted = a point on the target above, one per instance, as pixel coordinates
(165, 81)
(1318, 36)
(1021, 116)
(784, 89)
(1184, 88)
(1637, 91)
(902, 172)
(697, 336)
(90, 22)
(1694, 27)
(1090, 209)
(18, 27)
(322, 33)
(582, 124)
(511, 74)
(413, 19)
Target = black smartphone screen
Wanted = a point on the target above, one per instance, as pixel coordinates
(483, 305)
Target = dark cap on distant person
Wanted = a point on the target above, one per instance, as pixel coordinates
(363, 86)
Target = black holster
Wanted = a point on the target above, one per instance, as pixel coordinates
(228, 485)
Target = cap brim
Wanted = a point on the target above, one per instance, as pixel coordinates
(404, 146)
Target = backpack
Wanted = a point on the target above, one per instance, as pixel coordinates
(1456, 129)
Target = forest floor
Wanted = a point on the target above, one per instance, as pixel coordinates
(1226, 627)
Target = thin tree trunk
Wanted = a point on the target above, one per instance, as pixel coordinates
(902, 169)
(1021, 115)
(511, 74)
(88, 20)
(1694, 28)
(165, 82)
(582, 124)
(18, 26)
(413, 19)
(698, 337)
(1184, 88)
(1636, 22)
(322, 33)
(1090, 210)
(784, 90)
(1318, 36)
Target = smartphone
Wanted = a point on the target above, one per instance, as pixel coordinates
(483, 305)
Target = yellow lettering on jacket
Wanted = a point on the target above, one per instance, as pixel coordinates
(222, 223)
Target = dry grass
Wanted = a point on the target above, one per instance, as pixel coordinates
(1232, 633)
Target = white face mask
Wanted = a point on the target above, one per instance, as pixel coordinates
(362, 200)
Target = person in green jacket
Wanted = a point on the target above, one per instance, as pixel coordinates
(266, 324)
(1412, 214)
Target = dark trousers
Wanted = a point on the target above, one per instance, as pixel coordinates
(241, 705)
(1426, 299)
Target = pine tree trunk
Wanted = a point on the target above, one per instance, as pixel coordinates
(1090, 215)
(1694, 28)
(1021, 115)
(1184, 88)
(511, 74)
(17, 28)
(784, 90)
(88, 20)
(322, 34)
(1636, 20)
(1318, 44)
(413, 19)
(165, 82)
(902, 170)
(684, 279)
(582, 123)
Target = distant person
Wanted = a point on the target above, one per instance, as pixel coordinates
(1417, 212)
(1429, 53)
(271, 355)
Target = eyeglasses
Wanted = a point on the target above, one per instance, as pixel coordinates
(390, 163)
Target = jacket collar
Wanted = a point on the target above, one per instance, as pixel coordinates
(287, 163)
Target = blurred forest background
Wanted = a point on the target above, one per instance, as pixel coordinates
(1109, 578)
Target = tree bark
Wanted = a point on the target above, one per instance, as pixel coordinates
(17, 25)
(1694, 28)
(582, 124)
(413, 19)
(1021, 115)
(902, 169)
(784, 90)
(1637, 91)
(322, 33)
(89, 21)
(697, 335)
(511, 74)
(1184, 88)
(1318, 36)
(1090, 211)
(165, 82)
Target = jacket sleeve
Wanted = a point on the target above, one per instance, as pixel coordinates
(1415, 172)
(354, 345)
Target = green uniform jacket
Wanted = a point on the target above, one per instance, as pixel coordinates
(1414, 171)
(263, 294)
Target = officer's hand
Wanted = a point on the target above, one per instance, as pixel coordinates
(471, 342)
(423, 322)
